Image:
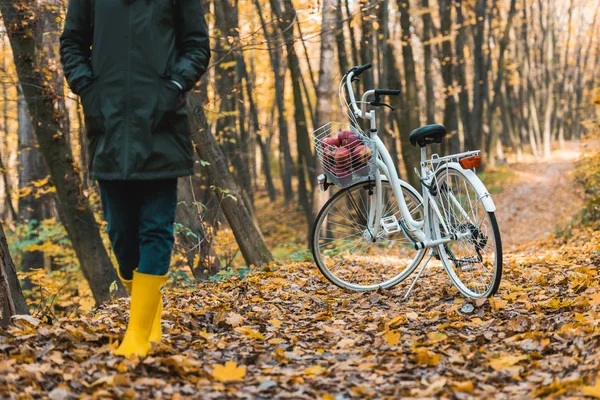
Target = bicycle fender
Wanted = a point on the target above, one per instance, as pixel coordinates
(482, 193)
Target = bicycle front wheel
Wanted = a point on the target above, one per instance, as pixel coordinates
(474, 263)
(346, 250)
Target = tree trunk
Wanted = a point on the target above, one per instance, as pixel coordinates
(193, 237)
(324, 87)
(499, 80)
(549, 56)
(366, 44)
(353, 46)
(427, 61)
(452, 140)
(410, 156)
(11, 298)
(8, 189)
(255, 125)
(73, 207)
(461, 75)
(284, 146)
(248, 236)
(32, 209)
(285, 20)
(475, 135)
(340, 39)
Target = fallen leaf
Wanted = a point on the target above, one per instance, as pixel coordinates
(229, 372)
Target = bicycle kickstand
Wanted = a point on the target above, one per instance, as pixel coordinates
(431, 254)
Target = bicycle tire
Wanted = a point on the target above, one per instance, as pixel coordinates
(315, 237)
(452, 254)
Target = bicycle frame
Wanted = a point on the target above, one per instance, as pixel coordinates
(423, 235)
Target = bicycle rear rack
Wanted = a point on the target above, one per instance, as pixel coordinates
(435, 159)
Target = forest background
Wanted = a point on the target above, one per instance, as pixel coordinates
(517, 79)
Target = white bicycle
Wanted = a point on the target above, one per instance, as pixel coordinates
(376, 230)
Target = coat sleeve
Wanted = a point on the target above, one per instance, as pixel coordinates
(75, 44)
(192, 44)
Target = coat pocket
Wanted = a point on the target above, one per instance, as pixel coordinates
(171, 97)
(90, 101)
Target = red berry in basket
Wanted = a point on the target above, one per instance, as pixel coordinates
(343, 135)
(342, 157)
(331, 141)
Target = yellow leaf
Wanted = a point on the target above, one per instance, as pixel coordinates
(249, 332)
(592, 391)
(397, 321)
(280, 356)
(498, 304)
(595, 299)
(327, 396)
(276, 341)
(316, 370)
(24, 192)
(466, 386)
(506, 361)
(229, 372)
(275, 322)
(41, 182)
(436, 337)
(426, 357)
(392, 337)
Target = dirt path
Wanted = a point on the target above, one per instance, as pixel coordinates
(542, 198)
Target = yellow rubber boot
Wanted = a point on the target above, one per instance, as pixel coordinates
(126, 283)
(156, 332)
(145, 300)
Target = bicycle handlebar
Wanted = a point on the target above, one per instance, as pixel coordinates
(387, 92)
(360, 69)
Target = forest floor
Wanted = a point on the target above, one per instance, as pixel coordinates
(285, 332)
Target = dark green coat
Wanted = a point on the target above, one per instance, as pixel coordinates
(136, 118)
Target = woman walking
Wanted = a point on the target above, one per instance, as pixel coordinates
(131, 62)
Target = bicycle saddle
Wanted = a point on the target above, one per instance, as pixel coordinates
(427, 134)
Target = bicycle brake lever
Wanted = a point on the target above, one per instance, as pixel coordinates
(354, 78)
(379, 104)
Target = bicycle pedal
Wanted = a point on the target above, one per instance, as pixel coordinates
(390, 224)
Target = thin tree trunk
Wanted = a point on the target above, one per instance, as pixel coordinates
(255, 124)
(353, 46)
(427, 61)
(73, 208)
(8, 189)
(499, 80)
(461, 75)
(410, 156)
(340, 39)
(194, 238)
(549, 111)
(284, 146)
(474, 139)
(285, 20)
(324, 87)
(12, 301)
(452, 140)
(32, 210)
(248, 236)
(366, 44)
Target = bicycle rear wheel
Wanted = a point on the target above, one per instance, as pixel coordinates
(351, 256)
(474, 263)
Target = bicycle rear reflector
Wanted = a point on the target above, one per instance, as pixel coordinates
(470, 162)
